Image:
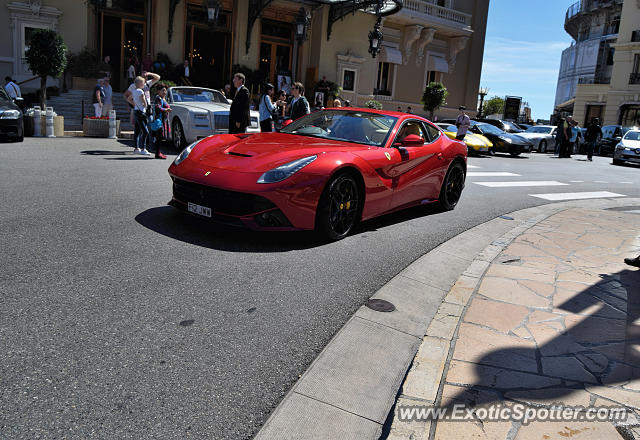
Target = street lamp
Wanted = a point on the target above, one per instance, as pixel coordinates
(375, 36)
(484, 91)
(213, 9)
(302, 25)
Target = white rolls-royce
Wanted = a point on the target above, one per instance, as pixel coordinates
(197, 113)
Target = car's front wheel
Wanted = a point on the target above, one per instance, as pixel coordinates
(339, 207)
(618, 162)
(543, 146)
(452, 187)
(177, 134)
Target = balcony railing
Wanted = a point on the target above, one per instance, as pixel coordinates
(634, 78)
(447, 14)
(587, 6)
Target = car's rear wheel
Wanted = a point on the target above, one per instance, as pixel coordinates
(543, 146)
(452, 187)
(339, 207)
(177, 134)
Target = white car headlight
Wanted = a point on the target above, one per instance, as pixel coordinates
(286, 170)
(183, 155)
(10, 114)
(506, 139)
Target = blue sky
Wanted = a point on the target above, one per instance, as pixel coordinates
(522, 51)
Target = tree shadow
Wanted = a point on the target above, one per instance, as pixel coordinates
(601, 349)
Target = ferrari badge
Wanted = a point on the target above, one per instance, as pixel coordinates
(388, 156)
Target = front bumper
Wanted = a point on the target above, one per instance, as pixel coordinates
(627, 155)
(10, 127)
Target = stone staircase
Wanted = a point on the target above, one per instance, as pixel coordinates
(69, 105)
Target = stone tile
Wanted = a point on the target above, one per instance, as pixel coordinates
(404, 429)
(552, 343)
(623, 374)
(466, 373)
(521, 273)
(485, 346)
(476, 269)
(542, 289)
(595, 362)
(625, 397)
(447, 430)
(614, 351)
(443, 326)
(567, 367)
(524, 250)
(462, 290)
(470, 396)
(424, 377)
(542, 316)
(563, 430)
(500, 316)
(511, 292)
(450, 309)
(551, 396)
(594, 330)
(579, 276)
(522, 332)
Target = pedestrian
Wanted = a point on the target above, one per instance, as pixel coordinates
(299, 103)
(149, 80)
(227, 91)
(635, 262)
(147, 62)
(107, 103)
(409, 110)
(563, 135)
(593, 136)
(131, 72)
(106, 65)
(141, 104)
(463, 122)
(399, 109)
(162, 109)
(574, 133)
(185, 73)
(98, 98)
(267, 109)
(337, 102)
(239, 111)
(13, 89)
(347, 103)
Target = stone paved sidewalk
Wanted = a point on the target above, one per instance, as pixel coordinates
(555, 318)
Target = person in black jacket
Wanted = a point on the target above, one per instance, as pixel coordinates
(594, 133)
(239, 112)
(299, 104)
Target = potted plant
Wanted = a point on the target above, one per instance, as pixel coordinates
(98, 127)
(85, 68)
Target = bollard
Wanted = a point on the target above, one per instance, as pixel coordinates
(112, 124)
(49, 122)
(36, 121)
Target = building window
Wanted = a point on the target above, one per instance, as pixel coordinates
(613, 26)
(630, 116)
(349, 80)
(433, 76)
(636, 64)
(612, 51)
(383, 84)
(276, 53)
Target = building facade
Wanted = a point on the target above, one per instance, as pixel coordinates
(427, 40)
(606, 76)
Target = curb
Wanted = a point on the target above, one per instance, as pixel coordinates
(349, 389)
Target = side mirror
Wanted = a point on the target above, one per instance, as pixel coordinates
(287, 122)
(412, 140)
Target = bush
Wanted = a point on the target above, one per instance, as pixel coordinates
(372, 103)
(85, 64)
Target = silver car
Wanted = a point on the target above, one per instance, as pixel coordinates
(198, 112)
(628, 150)
(543, 137)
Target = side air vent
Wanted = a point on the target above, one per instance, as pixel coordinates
(238, 154)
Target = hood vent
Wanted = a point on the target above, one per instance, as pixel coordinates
(238, 154)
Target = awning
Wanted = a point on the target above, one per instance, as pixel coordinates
(567, 105)
(437, 64)
(390, 55)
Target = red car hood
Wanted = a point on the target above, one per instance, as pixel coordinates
(265, 151)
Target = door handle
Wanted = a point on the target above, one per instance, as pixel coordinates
(440, 156)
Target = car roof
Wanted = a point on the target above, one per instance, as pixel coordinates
(402, 116)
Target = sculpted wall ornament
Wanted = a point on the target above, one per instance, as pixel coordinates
(426, 37)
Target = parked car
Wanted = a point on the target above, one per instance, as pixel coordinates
(543, 137)
(502, 141)
(198, 112)
(628, 149)
(508, 126)
(611, 136)
(476, 143)
(325, 171)
(11, 118)
(525, 127)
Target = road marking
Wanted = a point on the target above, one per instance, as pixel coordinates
(600, 181)
(472, 166)
(491, 174)
(635, 211)
(576, 181)
(521, 183)
(577, 195)
(628, 182)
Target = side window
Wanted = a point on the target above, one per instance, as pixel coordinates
(433, 132)
(411, 127)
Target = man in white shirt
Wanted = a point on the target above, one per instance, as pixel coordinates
(463, 122)
(12, 88)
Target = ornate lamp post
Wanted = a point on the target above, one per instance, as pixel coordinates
(213, 9)
(302, 25)
(484, 91)
(375, 36)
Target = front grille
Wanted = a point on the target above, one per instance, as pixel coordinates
(221, 122)
(220, 200)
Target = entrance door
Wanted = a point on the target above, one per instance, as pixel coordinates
(275, 59)
(122, 39)
(209, 54)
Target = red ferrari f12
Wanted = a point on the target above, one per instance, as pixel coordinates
(325, 171)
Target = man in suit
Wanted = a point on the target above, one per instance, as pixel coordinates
(239, 112)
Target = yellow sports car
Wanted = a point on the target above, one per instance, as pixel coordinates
(476, 143)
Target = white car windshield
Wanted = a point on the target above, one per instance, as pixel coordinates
(544, 130)
(344, 125)
(632, 136)
(194, 94)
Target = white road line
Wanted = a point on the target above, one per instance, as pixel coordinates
(491, 174)
(472, 166)
(576, 181)
(577, 195)
(600, 181)
(521, 183)
(635, 211)
(628, 182)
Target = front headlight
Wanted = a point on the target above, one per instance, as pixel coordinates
(183, 155)
(620, 147)
(508, 140)
(286, 170)
(10, 114)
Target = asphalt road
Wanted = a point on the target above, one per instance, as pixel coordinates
(123, 318)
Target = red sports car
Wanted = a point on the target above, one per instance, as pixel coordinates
(325, 171)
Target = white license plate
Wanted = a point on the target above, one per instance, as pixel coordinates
(200, 210)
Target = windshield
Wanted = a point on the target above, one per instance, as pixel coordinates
(448, 127)
(632, 135)
(488, 128)
(511, 126)
(351, 126)
(545, 130)
(192, 94)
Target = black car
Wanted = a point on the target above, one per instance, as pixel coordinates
(611, 136)
(502, 141)
(11, 123)
(508, 126)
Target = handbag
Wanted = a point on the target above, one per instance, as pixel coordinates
(156, 124)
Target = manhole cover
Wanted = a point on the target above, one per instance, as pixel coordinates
(380, 305)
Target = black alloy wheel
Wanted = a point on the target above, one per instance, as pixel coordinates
(339, 208)
(452, 187)
(178, 136)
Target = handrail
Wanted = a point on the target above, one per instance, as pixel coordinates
(27, 80)
(440, 12)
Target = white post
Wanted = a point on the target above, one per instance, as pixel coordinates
(112, 124)
(37, 113)
(49, 122)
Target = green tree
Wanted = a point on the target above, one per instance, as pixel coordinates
(46, 56)
(493, 106)
(435, 95)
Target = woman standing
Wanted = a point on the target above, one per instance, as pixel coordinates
(162, 109)
(140, 114)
